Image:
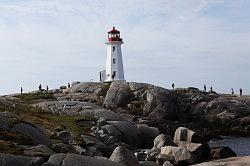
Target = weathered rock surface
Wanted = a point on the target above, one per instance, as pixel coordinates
(10, 122)
(39, 151)
(160, 104)
(184, 134)
(147, 134)
(201, 151)
(178, 154)
(124, 156)
(11, 160)
(163, 140)
(61, 159)
(130, 132)
(222, 152)
(118, 95)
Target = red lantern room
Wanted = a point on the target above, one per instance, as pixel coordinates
(114, 35)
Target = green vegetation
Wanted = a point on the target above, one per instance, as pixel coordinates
(9, 148)
(32, 97)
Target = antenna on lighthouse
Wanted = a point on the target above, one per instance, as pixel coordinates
(114, 64)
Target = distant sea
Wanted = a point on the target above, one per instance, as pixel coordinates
(240, 145)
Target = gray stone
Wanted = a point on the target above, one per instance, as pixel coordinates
(161, 104)
(178, 154)
(201, 151)
(124, 156)
(147, 134)
(163, 140)
(101, 122)
(148, 163)
(118, 95)
(97, 88)
(184, 134)
(63, 148)
(39, 151)
(11, 160)
(35, 133)
(108, 115)
(130, 133)
(167, 163)
(222, 152)
(113, 131)
(65, 137)
(78, 160)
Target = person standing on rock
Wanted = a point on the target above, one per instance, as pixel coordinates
(47, 88)
(232, 91)
(68, 85)
(240, 92)
(211, 89)
(205, 88)
(40, 87)
(173, 86)
(21, 90)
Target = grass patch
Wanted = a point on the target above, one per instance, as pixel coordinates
(8, 147)
(32, 97)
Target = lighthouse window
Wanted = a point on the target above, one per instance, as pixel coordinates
(113, 49)
(113, 61)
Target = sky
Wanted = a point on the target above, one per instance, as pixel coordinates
(189, 43)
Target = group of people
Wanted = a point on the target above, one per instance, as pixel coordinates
(40, 88)
(211, 89)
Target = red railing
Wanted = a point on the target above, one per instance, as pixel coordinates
(115, 39)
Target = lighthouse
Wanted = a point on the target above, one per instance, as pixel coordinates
(114, 64)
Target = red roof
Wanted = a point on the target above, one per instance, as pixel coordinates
(114, 31)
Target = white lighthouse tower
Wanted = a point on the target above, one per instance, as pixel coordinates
(114, 65)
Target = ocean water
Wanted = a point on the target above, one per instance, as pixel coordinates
(240, 145)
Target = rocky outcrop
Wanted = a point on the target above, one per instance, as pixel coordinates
(147, 134)
(184, 134)
(124, 156)
(160, 104)
(163, 140)
(178, 155)
(130, 132)
(118, 95)
(11, 160)
(11, 123)
(61, 159)
(222, 152)
(39, 151)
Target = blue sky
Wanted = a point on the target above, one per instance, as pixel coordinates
(190, 43)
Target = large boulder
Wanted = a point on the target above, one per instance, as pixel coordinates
(179, 155)
(201, 151)
(11, 123)
(124, 156)
(39, 151)
(112, 131)
(147, 134)
(98, 88)
(61, 159)
(184, 134)
(163, 140)
(130, 132)
(118, 95)
(160, 104)
(11, 160)
(35, 133)
(222, 152)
